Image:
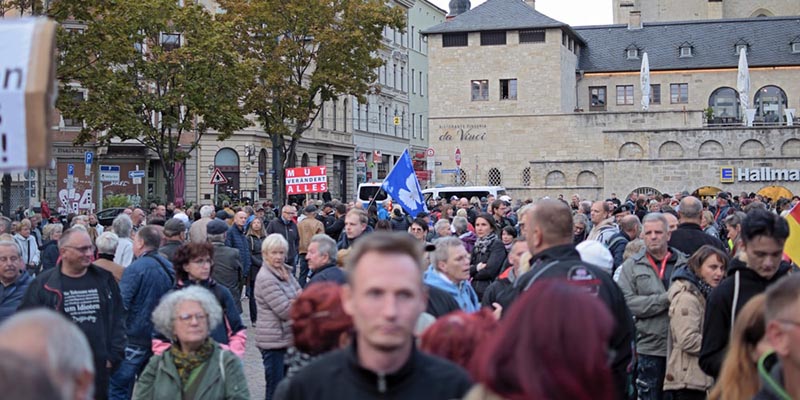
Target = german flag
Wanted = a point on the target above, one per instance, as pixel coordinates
(792, 246)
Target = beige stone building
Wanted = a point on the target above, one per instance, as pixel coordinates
(544, 109)
(686, 10)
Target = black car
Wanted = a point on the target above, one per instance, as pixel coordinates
(106, 217)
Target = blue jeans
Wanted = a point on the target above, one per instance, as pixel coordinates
(120, 385)
(274, 369)
(650, 377)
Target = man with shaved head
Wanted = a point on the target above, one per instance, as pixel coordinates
(548, 231)
(690, 236)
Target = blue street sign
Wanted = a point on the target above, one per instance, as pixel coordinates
(70, 169)
(88, 157)
(136, 174)
(450, 171)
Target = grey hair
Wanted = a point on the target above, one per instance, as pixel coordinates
(586, 206)
(656, 216)
(220, 237)
(691, 208)
(50, 229)
(5, 224)
(68, 351)
(580, 219)
(460, 224)
(442, 252)
(9, 243)
(325, 245)
(206, 211)
(107, 243)
(441, 224)
(122, 225)
(164, 315)
(273, 242)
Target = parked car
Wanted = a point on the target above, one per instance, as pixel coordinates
(106, 217)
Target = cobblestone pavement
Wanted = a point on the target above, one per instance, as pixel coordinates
(253, 368)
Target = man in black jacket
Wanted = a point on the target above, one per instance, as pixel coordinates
(764, 235)
(385, 297)
(227, 269)
(335, 225)
(285, 226)
(321, 257)
(548, 231)
(90, 297)
(689, 236)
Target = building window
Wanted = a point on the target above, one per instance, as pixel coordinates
(624, 95)
(495, 177)
(742, 46)
(322, 115)
(725, 104)
(380, 117)
(414, 125)
(386, 120)
(571, 44)
(170, 41)
(532, 36)
(402, 79)
(679, 93)
(655, 94)
(597, 98)
(563, 39)
(632, 53)
(686, 51)
(480, 90)
(770, 101)
(394, 76)
(411, 38)
(526, 176)
(493, 38)
(413, 88)
(358, 116)
(508, 89)
(454, 39)
(78, 96)
(335, 117)
(421, 85)
(796, 47)
(421, 128)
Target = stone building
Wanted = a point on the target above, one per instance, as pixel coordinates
(544, 109)
(685, 10)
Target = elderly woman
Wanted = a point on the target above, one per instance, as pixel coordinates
(107, 244)
(122, 226)
(49, 249)
(195, 367)
(275, 291)
(27, 243)
(193, 263)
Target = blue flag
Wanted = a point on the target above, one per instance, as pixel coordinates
(403, 186)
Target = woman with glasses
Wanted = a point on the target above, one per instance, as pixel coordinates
(193, 265)
(195, 367)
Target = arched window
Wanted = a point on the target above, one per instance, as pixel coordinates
(769, 102)
(262, 174)
(226, 157)
(725, 104)
(304, 160)
(495, 177)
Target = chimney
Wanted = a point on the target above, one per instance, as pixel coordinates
(714, 9)
(531, 3)
(635, 20)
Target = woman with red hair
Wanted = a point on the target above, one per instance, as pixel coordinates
(551, 345)
(457, 335)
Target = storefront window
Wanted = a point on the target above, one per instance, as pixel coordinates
(725, 104)
(769, 102)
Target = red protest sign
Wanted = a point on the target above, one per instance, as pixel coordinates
(306, 180)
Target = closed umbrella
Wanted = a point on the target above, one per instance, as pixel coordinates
(644, 75)
(743, 82)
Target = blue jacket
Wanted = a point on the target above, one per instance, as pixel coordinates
(236, 238)
(11, 295)
(143, 283)
(464, 294)
(328, 273)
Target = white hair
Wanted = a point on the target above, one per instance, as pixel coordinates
(163, 316)
(273, 242)
(122, 225)
(206, 211)
(107, 243)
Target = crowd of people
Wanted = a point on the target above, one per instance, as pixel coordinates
(648, 297)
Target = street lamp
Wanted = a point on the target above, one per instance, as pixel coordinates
(210, 169)
(249, 152)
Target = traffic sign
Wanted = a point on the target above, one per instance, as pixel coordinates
(430, 152)
(109, 173)
(396, 120)
(88, 157)
(70, 169)
(458, 157)
(136, 174)
(218, 178)
(450, 171)
(137, 181)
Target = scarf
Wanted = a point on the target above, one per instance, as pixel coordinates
(482, 244)
(186, 363)
(705, 289)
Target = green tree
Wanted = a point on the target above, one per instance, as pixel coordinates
(303, 53)
(155, 72)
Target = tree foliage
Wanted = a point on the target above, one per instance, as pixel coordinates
(303, 53)
(155, 72)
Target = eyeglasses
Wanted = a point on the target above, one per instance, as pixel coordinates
(82, 249)
(12, 259)
(186, 317)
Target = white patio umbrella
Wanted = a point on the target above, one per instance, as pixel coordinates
(743, 81)
(644, 75)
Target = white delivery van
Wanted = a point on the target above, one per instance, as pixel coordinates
(463, 191)
(366, 191)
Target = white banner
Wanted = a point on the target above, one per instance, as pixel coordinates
(16, 37)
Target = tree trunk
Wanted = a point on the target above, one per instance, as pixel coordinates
(169, 184)
(278, 187)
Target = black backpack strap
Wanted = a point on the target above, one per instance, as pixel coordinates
(164, 267)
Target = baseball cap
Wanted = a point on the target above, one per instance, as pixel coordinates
(505, 198)
(723, 195)
(173, 227)
(453, 198)
(310, 209)
(595, 253)
(621, 209)
(223, 215)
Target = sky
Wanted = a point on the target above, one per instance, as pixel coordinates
(572, 12)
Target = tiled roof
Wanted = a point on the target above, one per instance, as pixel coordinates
(713, 44)
(499, 15)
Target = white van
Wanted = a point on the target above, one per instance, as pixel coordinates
(366, 191)
(463, 191)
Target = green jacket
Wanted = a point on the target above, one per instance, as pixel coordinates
(224, 379)
(647, 299)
